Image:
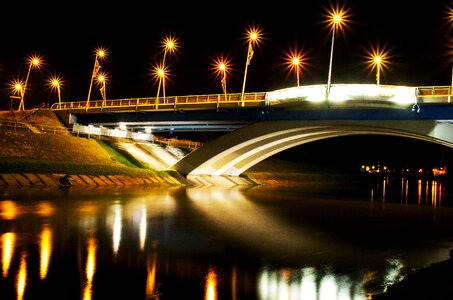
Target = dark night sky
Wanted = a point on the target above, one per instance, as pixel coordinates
(66, 34)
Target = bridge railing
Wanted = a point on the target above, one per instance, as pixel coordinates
(214, 101)
(434, 93)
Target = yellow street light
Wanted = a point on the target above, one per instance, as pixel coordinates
(170, 45)
(253, 36)
(296, 61)
(100, 53)
(337, 19)
(377, 59)
(221, 66)
(17, 87)
(222, 69)
(56, 83)
(160, 74)
(101, 80)
(33, 62)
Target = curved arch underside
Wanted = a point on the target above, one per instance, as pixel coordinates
(237, 151)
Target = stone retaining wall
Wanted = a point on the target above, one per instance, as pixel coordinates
(30, 179)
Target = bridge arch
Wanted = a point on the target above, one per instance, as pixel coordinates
(237, 151)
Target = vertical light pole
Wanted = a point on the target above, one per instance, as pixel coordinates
(296, 64)
(378, 61)
(56, 84)
(18, 87)
(101, 79)
(252, 38)
(160, 74)
(223, 81)
(336, 19)
(100, 53)
(170, 45)
(34, 61)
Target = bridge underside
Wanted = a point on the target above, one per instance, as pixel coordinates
(237, 151)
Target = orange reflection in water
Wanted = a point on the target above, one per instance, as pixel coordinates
(90, 268)
(8, 210)
(8, 241)
(151, 279)
(46, 250)
(22, 277)
(211, 285)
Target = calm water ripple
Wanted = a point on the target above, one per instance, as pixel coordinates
(320, 242)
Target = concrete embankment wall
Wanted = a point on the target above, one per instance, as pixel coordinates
(43, 180)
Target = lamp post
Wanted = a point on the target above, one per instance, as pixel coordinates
(170, 45)
(336, 21)
(222, 70)
(295, 62)
(18, 87)
(101, 79)
(252, 38)
(34, 61)
(378, 61)
(56, 84)
(160, 73)
(100, 53)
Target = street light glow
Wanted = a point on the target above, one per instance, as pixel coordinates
(253, 37)
(296, 61)
(221, 65)
(55, 82)
(337, 19)
(100, 54)
(377, 59)
(34, 61)
(101, 80)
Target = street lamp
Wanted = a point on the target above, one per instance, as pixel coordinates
(170, 45)
(160, 74)
(296, 63)
(100, 53)
(378, 59)
(55, 82)
(18, 87)
(101, 79)
(253, 37)
(222, 69)
(336, 20)
(33, 61)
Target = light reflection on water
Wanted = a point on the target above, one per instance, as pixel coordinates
(215, 243)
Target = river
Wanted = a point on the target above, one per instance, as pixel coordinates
(323, 241)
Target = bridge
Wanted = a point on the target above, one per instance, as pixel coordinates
(262, 124)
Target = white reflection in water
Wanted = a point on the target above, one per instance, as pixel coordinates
(231, 211)
(307, 284)
(116, 227)
(142, 231)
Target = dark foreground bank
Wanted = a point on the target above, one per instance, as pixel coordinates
(433, 283)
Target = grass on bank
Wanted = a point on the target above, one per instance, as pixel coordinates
(72, 168)
(119, 155)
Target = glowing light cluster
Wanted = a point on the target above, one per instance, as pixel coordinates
(345, 92)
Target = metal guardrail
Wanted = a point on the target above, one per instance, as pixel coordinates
(30, 127)
(215, 101)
